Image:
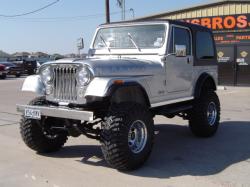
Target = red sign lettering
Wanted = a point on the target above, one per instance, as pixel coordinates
(232, 22)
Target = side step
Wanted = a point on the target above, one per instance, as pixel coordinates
(173, 109)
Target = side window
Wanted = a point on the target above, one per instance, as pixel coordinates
(180, 36)
(204, 45)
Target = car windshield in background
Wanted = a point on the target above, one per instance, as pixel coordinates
(131, 37)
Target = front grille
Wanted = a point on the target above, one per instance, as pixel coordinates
(65, 83)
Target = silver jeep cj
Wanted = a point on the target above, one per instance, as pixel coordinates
(134, 71)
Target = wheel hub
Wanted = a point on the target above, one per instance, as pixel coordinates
(211, 113)
(137, 136)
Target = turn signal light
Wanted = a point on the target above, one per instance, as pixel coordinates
(118, 82)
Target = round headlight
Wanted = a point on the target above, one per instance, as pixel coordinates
(84, 76)
(46, 75)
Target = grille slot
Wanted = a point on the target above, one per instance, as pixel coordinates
(65, 83)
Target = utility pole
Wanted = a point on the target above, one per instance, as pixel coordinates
(123, 10)
(80, 45)
(107, 11)
(121, 4)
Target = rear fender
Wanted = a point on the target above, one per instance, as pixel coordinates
(205, 81)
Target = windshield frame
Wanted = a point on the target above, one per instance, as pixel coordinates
(120, 51)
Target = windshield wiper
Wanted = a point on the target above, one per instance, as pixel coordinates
(133, 42)
(104, 42)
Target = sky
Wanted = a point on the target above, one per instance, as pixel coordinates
(57, 28)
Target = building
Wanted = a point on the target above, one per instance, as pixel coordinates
(20, 55)
(4, 56)
(40, 57)
(73, 55)
(230, 23)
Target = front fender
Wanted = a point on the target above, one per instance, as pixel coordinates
(34, 84)
(99, 87)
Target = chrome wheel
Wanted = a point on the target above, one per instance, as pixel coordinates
(211, 113)
(137, 136)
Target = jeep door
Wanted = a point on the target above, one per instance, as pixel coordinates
(179, 69)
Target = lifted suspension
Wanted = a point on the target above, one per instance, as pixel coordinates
(88, 129)
(74, 128)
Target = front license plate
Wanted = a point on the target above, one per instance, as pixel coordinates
(32, 113)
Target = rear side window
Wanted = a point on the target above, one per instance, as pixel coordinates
(180, 36)
(204, 46)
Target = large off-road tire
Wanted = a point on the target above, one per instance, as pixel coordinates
(204, 118)
(35, 137)
(126, 124)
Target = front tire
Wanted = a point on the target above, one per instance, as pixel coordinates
(18, 75)
(205, 115)
(35, 137)
(127, 136)
(3, 76)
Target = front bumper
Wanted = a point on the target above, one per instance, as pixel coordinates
(3, 73)
(14, 72)
(59, 112)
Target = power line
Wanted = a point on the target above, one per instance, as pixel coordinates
(31, 12)
(70, 18)
(73, 17)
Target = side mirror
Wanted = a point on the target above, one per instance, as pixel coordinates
(180, 50)
(80, 43)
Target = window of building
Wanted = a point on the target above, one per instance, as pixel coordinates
(204, 46)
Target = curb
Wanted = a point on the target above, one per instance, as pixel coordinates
(221, 88)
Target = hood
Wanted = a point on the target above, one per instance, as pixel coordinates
(123, 67)
(8, 64)
(119, 67)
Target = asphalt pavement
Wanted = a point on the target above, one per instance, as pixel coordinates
(178, 158)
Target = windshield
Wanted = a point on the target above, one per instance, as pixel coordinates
(131, 37)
